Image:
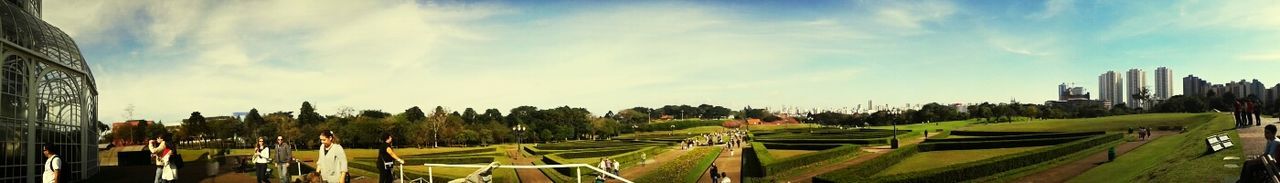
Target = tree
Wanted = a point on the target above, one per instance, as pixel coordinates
(375, 114)
(307, 115)
(435, 123)
(470, 116)
(1143, 96)
(414, 114)
(195, 125)
(492, 115)
(255, 123)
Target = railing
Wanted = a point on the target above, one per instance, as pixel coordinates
(577, 169)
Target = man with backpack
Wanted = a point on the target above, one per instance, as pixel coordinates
(52, 165)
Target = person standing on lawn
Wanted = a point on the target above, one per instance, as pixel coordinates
(284, 156)
(332, 160)
(262, 156)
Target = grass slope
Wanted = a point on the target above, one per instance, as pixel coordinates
(1112, 123)
(1174, 158)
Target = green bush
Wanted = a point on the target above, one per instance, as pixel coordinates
(1017, 137)
(762, 153)
(979, 169)
(811, 158)
(828, 141)
(943, 146)
(597, 153)
(811, 147)
(989, 133)
(455, 153)
(868, 168)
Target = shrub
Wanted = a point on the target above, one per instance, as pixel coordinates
(680, 124)
(988, 133)
(812, 147)
(762, 153)
(828, 141)
(979, 169)
(942, 146)
(811, 158)
(454, 153)
(597, 153)
(1018, 137)
(867, 168)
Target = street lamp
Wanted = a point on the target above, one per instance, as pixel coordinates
(519, 129)
(893, 143)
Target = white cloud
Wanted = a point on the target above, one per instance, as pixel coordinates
(1196, 16)
(1052, 8)
(1272, 56)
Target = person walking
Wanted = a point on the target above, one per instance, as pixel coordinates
(261, 157)
(617, 167)
(724, 178)
(643, 159)
(715, 172)
(284, 156)
(158, 150)
(1237, 113)
(331, 162)
(1257, 115)
(169, 172)
(387, 158)
(52, 164)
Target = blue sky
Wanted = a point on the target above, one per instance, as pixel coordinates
(168, 58)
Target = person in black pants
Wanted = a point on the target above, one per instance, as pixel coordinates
(715, 172)
(387, 159)
(261, 157)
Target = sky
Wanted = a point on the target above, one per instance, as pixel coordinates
(169, 58)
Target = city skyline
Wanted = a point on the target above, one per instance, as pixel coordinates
(170, 58)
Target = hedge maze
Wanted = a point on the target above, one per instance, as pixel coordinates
(590, 152)
(827, 144)
(473, 156)
(1057, 145)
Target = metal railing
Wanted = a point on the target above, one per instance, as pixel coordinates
(577, 169)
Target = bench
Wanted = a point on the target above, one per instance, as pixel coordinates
(1218, 142)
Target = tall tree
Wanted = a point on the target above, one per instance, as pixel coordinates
(254, 122)
(437, 121)
(414, 114)
(470, 116)
(195, 125)
(307, 115)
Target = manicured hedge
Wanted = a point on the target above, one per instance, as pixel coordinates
(811, 147)
(943, 146)
(828, 141)
(599, 153)
(867, 135)
(455, 153)
(692, 166)
(1017, 137)
(807, 159)
(459, 160)
(988, 133)
(762, 153)
(858, 173)
(979, 169)
(973, 170)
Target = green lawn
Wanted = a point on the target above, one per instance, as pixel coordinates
(681, 132)
(931, 126)
(937, 159)
(781, 126)
(1174, 158)
(1112, 123)
(685, 168)
(781, 154)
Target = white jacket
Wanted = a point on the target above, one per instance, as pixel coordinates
(169, 172)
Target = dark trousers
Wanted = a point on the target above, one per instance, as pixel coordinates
(262, 172)
(1253, 171)
(384, 176)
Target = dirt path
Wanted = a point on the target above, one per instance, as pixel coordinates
(730, 164)
(527, 174)
(872, 153)
(1067, 171)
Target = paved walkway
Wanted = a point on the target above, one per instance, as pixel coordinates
(1251, 138)
(731, 164)
(1067, 171)
(527, 174)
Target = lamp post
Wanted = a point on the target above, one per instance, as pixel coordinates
(519, 129)
(635, 131)
(673, 130)
(893, 143)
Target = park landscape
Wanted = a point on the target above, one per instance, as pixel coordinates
(970, 150)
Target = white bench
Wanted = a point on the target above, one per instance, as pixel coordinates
(1218, 142)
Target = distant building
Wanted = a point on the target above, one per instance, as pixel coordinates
(1194, 86)
(1137, 79)
(1257, 90)
(1110, 88)
(1069, 92)
(1164, 83)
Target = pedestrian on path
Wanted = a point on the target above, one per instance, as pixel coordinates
(260, 160)
(714, 172)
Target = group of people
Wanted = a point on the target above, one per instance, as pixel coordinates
(331, 161)
(612, 166)
(718, 176)
(1247, 114)
(1143, 132)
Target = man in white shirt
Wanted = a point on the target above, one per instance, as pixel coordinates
(332, 161)
(51, 165)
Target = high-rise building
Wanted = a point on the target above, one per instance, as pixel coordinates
(1164, 83)
(1071, 92)
(1194, 86)
(1136, 80)
(49, 98)
(1110, 88)
(1257, 90)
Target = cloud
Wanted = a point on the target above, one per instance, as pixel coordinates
(912, 15)
(1052, 8)
(1195, 16)
(1272, 56)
